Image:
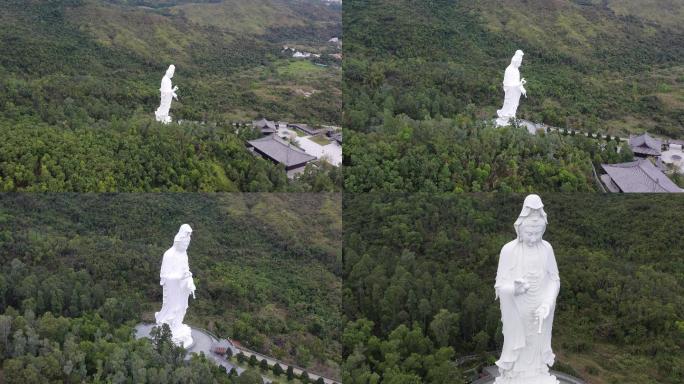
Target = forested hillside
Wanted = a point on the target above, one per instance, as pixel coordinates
(87, 65)
(79, 270)
(136, 155)
(464, 155)
(609, 66)
(419, 272)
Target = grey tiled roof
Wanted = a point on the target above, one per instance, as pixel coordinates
(306, 128)
(645, 144)
(610, 185)
(337, 137)
(280, 151)
(265, 125)
(640, 176)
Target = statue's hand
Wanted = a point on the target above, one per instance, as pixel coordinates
(520, 286)
(542, 312)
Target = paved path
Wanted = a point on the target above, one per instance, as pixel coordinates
(202, 342)
(534, 127)
(332, 151)
(493, 372)
(297, 371)
(675, 157)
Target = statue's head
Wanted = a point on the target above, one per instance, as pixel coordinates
(531, 222)
(182, 240)
(170, 71)
(517, 58)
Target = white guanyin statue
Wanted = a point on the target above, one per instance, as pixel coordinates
(527, 284)
(513, 87)
(168, 92)
(176, 280)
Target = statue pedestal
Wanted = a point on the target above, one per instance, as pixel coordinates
(166, 119)
(182, 336)
(491, 376)
(539, 379)
(503, 121)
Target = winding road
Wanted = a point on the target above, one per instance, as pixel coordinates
(203, 341)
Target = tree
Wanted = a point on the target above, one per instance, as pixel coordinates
(249, 377)
(5, 332)
(481, 341)
(277, 369)
(444, 327)
(263, 365)
(162, 337)
(241, 358)
(290, 373)
(253, 361)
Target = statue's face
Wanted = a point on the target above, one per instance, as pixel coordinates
(517, 63)
(532, 228)
(170, 72)
(183, 245)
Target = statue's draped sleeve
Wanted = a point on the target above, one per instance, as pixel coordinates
(512, 77)
(513, 327)
(504, 278)
(551, 266)
(172, 266)
(166, 85)
(554, 276)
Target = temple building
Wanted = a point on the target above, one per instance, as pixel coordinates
(640, 176)
(645, 146)
(281, 152)
(336, 136)
(267, 127)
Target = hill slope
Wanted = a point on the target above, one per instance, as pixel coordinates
(613, 66)
(266, 265)
(114, 56)
(419, 275)
(80, 66)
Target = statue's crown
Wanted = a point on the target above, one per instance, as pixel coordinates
(183, 233)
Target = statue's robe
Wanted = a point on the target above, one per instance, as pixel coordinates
(166, 90)
(513, 91)
(176, 279)
(521, 341)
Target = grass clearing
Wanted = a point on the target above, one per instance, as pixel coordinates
(320, 139)
(299, 68)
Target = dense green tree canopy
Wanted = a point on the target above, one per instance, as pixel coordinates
(266, 268)
(90, 349)
(421, 78)
(588, 65)
(141, 156)
(419, 274)
(79, 82)
(460, 155)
